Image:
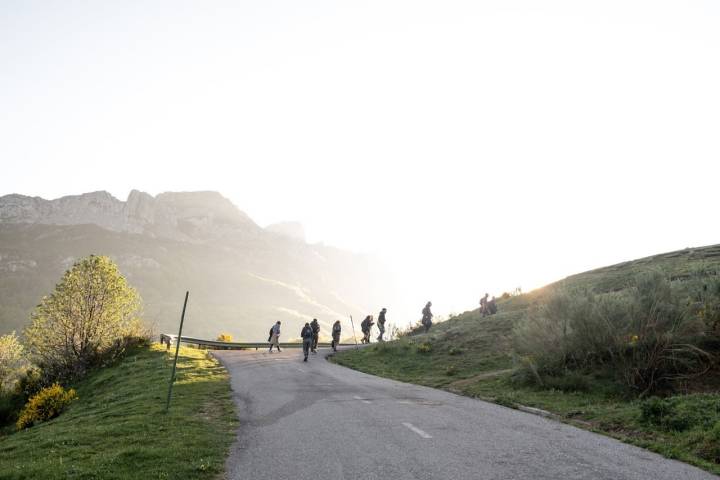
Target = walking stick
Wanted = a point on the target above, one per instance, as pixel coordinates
(353, 329)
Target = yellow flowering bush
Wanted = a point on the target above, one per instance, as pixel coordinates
(224, 337)
(46, 404)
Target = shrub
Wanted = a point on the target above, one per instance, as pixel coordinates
(30, 383)
(451, 370)
(12, 361)
(91, 318)
(455, 351)
(710, 446)
(654, 411)
(570, 382)
(644, 333)
(224, 337)
(46, 404)
(424, 347)
(10, 405)
(682, 412)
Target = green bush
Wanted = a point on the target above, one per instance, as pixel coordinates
(451, 370)
(645, 333)
(46, 404)
(455, 351)
(30, 383)
(655, 411)
(710, 446)
(10, 405)
(680, 413)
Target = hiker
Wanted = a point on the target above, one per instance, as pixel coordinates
(381, 324)
(274, 338)
(492, 306)
(427, 316)
(484, 305)
(316, 334)
(336, 329)
(366, 326)
(307, 338)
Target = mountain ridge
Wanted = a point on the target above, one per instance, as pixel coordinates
(241, 276)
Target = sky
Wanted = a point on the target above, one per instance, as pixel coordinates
(474, 146)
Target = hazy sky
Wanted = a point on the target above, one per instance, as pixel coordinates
(477, 146)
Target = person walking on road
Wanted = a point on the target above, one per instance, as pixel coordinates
(316, 334)
(366, 326)
(427, 317)
(307, 338)
(336, 329)
(381, 324)
(275, 336)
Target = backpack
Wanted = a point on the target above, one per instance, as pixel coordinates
(271, 332)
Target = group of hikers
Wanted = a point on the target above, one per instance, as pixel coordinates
(310, 335)
(311, 331)
(488, 307)
(367, 324)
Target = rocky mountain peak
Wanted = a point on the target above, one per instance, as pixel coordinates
(179, 215)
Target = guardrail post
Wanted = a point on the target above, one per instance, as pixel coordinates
(177, 350)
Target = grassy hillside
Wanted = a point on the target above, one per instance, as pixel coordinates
(473, 356)
(117, 429)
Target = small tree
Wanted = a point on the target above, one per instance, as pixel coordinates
(89, 318)
(12, 360)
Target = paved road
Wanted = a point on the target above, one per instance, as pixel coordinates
(317, 420)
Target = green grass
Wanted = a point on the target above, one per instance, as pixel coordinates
(472, 355)
(117, 429)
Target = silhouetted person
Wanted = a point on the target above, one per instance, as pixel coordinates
(492, 307)
(366, 326)
(484, 305)
(381, 324)
(307, 338)
(427, 316)
(316, 334)
(336, 329)
(275, 336)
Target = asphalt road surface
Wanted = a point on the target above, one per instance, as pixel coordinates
(317, 420)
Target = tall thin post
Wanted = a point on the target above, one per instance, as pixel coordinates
(177, 350)
(353, 329)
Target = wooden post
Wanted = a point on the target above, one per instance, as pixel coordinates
(353, 329)
(177, 350)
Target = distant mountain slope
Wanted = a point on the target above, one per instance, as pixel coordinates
(240, 276)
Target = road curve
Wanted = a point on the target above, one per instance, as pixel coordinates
(317, 420)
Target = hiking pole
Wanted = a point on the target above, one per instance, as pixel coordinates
(353, 329)
(177, 350)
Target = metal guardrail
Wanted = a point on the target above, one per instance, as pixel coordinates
(168, 339)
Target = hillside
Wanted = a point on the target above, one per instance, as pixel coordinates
(117, 429)
(473, 356)
(241, 277)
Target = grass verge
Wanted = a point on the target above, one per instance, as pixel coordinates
(117, 429)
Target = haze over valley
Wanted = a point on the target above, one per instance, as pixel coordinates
(242, 277)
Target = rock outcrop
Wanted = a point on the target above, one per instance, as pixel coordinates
(189, 216)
